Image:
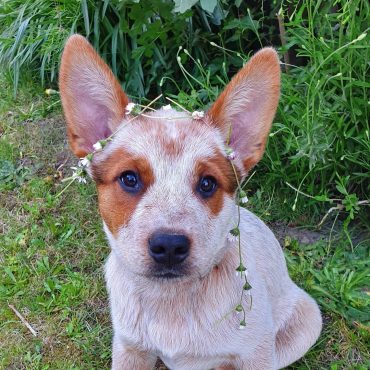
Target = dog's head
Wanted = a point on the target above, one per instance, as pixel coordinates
(165, 186)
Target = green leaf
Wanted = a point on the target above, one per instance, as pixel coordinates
(341, 189)
(6, 169)
(243, 24)
(85, 13)
(322, 198)
(208, 5)
(181, 6)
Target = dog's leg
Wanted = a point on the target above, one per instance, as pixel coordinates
(299, 331)
(129, 358)
(262, 358)
(263, 361)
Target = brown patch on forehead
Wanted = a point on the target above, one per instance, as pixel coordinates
(115, 204)
(173, 147)
(220, 168)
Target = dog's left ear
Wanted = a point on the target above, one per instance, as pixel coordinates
(245, 109)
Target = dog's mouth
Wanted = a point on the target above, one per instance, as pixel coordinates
(169, 273)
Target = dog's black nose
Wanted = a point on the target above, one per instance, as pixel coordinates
(169, 249)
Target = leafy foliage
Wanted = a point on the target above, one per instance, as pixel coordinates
(336, 277)
(319, 144)
(322, 126)
(137, 38)
(33, 34)
(11, 176)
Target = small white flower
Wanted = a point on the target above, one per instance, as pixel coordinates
(231, 156)
(197, 114)
(79, 174)
(129, 107)
(248, 292)
(97, 146)
(81, 180)
(242, 326)
(241, 274)
(84, 162)
(243, 197)
(232, 238)
(244, 200)
(167, 107)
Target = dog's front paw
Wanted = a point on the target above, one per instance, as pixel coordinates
(126, 357)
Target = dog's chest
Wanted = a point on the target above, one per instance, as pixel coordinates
(182, 334)
(172, 324)
(184, 328)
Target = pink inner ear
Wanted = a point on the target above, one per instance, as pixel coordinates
(94, 119)
(240, 134)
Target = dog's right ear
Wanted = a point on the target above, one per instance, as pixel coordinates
(245, 109)
(93, 101)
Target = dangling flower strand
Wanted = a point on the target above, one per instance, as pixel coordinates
(234, 235)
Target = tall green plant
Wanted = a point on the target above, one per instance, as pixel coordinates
(33, 34)
(322, 129)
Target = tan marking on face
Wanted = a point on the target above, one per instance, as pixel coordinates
(115, 204)
(171, 145)
(220, 168)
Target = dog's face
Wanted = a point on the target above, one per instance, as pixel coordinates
(165, 186)
(164, 182)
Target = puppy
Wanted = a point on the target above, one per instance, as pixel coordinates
(166, 192)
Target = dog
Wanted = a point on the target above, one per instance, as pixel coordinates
(166, 193)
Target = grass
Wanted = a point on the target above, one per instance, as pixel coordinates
(52, 250)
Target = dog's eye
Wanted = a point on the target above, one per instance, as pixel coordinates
(129, 180)
(207, 186)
